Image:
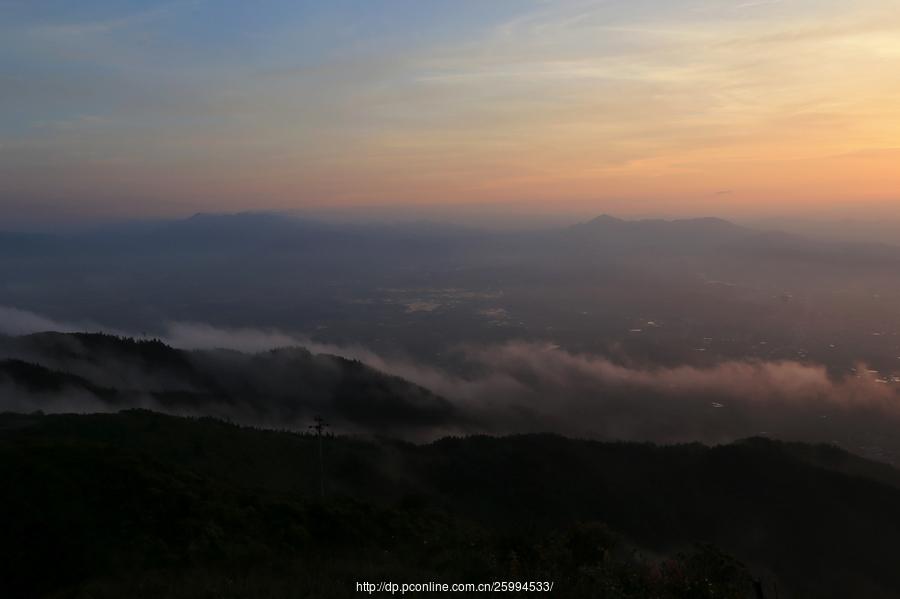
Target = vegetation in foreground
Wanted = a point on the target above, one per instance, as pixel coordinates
(139, 504)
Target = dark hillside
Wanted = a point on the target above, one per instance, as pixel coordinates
(285, 386)
(166, 499)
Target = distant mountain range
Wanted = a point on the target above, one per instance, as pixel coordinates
(609, 229)
(642, 295)
(347, 247)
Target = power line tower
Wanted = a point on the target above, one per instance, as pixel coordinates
(320, 426)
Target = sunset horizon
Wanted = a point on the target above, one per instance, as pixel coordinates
(588, 299)
(147, 109)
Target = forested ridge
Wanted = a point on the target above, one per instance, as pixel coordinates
(142, 504)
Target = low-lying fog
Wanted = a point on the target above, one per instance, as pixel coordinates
(651, 330)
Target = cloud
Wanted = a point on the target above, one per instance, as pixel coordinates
(527, 387)
(521, 387)
(21, 322)
(194, 335)
(15, 321)
(16, 399)
(556, 101)
(757, 3)
(108, 25)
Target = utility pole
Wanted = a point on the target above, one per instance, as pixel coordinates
(758, 589)
(320, 426)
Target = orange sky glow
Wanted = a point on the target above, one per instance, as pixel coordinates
(681, 107)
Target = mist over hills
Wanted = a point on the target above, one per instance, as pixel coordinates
(512, 388)
(281, 388)
(582, 298)
(645, 330)
(674, 332)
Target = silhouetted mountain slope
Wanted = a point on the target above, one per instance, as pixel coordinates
(97, 372)
(108, 500)
(277, 236)
(34, 378)
(838, 460)
(716, 239)
(654, 232)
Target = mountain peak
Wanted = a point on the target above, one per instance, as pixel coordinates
(605, 219)
(679, 233)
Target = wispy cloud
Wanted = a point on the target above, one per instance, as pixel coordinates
(758, 3)
(107, 25)
(14, 321)
(522, 386)
(574, 101)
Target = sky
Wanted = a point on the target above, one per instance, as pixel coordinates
(141, 108)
